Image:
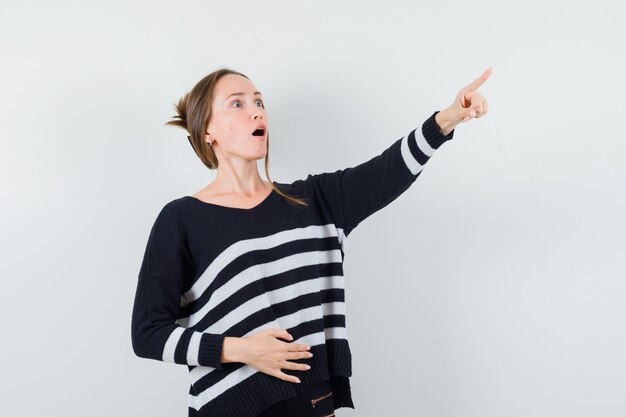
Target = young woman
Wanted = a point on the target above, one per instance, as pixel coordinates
(243, 280)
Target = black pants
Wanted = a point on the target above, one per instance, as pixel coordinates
(317, 401)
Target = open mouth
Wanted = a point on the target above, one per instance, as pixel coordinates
(259, 132)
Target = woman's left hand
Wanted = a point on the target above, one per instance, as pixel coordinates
(468, 104)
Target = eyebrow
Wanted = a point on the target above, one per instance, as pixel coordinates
(241, 94)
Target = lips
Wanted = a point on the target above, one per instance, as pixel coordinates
(259, 131)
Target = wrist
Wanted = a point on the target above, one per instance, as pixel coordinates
(445, 121)
(234, 349)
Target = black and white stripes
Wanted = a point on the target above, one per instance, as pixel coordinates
(211, 271)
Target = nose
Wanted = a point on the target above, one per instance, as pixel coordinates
(257, 113)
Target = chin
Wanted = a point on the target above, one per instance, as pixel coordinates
(256, 155)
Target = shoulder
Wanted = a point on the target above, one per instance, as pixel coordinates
(172, 214)
(299, 186)
(173, 208)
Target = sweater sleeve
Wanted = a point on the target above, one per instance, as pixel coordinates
(355, 193)
(154, 331)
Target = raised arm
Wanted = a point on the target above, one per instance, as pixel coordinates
(154, 331)
(355, 193)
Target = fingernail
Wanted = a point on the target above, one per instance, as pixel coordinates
(308, 348)
(298, 380)
(308, 367)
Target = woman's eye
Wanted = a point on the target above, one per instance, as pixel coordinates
(260, 101)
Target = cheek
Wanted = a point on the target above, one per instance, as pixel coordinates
(227, 127)
(232, 127)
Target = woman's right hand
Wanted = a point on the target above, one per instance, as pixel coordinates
(269, 355)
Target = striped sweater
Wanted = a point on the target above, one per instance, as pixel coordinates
(211, 271)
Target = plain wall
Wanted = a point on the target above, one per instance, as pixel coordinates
(494, 286)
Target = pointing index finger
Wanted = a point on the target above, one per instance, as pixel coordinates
(474, 85)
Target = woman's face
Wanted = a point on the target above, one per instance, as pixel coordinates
(238, 110)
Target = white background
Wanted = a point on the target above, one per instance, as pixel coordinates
(494, 286)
